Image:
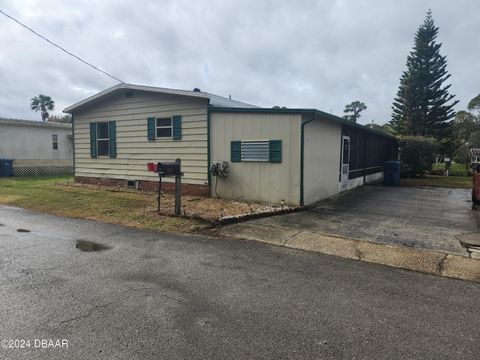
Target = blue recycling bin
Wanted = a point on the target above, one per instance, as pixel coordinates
(6, 167)
(391, 173)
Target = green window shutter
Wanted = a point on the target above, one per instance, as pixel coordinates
(177, 127)
(151, 128)
(112, 133)
(275, 151)
(93, 140)
(236, 151)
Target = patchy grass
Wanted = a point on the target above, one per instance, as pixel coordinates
(463, 182)
(61, 196)
(456, 169)
(51, 195)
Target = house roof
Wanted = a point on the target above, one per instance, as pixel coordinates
(220, 104)
(214, 100)
(33, 123)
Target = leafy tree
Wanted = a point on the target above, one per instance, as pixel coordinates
(423, 105)
(42, 103)
(375, 126)
(417, 154)
(354, 108)
(474, 104)
(389, 129)
(464, 125)
(465, 135)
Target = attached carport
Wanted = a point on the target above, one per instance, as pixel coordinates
(338, 155)
(421, 218)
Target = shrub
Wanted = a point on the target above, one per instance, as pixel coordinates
(417, 155)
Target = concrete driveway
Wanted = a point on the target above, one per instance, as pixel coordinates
(159, 296)
(425, 218)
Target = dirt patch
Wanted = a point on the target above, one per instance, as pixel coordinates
(196, 207)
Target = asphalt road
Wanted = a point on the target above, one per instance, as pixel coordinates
(163, 296)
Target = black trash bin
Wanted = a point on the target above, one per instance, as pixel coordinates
(391, 173)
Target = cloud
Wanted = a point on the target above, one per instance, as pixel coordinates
(321, 54)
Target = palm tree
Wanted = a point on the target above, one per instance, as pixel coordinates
(42, 103)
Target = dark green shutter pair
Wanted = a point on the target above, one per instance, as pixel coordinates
(274, 156)
(176, 128)
(112, 134)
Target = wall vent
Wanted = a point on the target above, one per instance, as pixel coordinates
(132, 184)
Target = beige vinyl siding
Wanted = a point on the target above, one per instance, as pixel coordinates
(321, 160)
(133, 148)
(258, 181)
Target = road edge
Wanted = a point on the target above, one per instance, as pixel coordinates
(402, 257)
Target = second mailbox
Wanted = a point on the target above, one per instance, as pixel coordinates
(168, 168)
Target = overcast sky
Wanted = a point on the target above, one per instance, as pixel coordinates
(311, 54)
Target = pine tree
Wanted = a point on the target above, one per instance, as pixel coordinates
(423, 105)
(354, 109)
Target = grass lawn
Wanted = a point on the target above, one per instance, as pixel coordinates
(463, 182)
(50, 195)
(455, 169)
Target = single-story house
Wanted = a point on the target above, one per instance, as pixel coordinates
(37, 147)
(274, 155)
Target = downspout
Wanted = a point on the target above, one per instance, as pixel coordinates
(73, 146)
(302, 158)
(365, 160)
(208, 150)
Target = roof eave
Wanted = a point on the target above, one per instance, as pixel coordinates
(85, 102)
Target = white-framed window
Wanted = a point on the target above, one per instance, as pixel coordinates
(253, 150)
(55, 141)
(103, 139)
(163, 128)
(346, 150)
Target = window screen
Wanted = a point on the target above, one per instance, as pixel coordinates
(55, 142)
(346, 150)
(164, 127)
(255, 150)
(103, 142)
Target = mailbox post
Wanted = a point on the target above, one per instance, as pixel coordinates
(159, 192)
(169, 169)
(178, 188)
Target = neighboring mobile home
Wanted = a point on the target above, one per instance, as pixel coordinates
(295, 156)
(37, 147)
